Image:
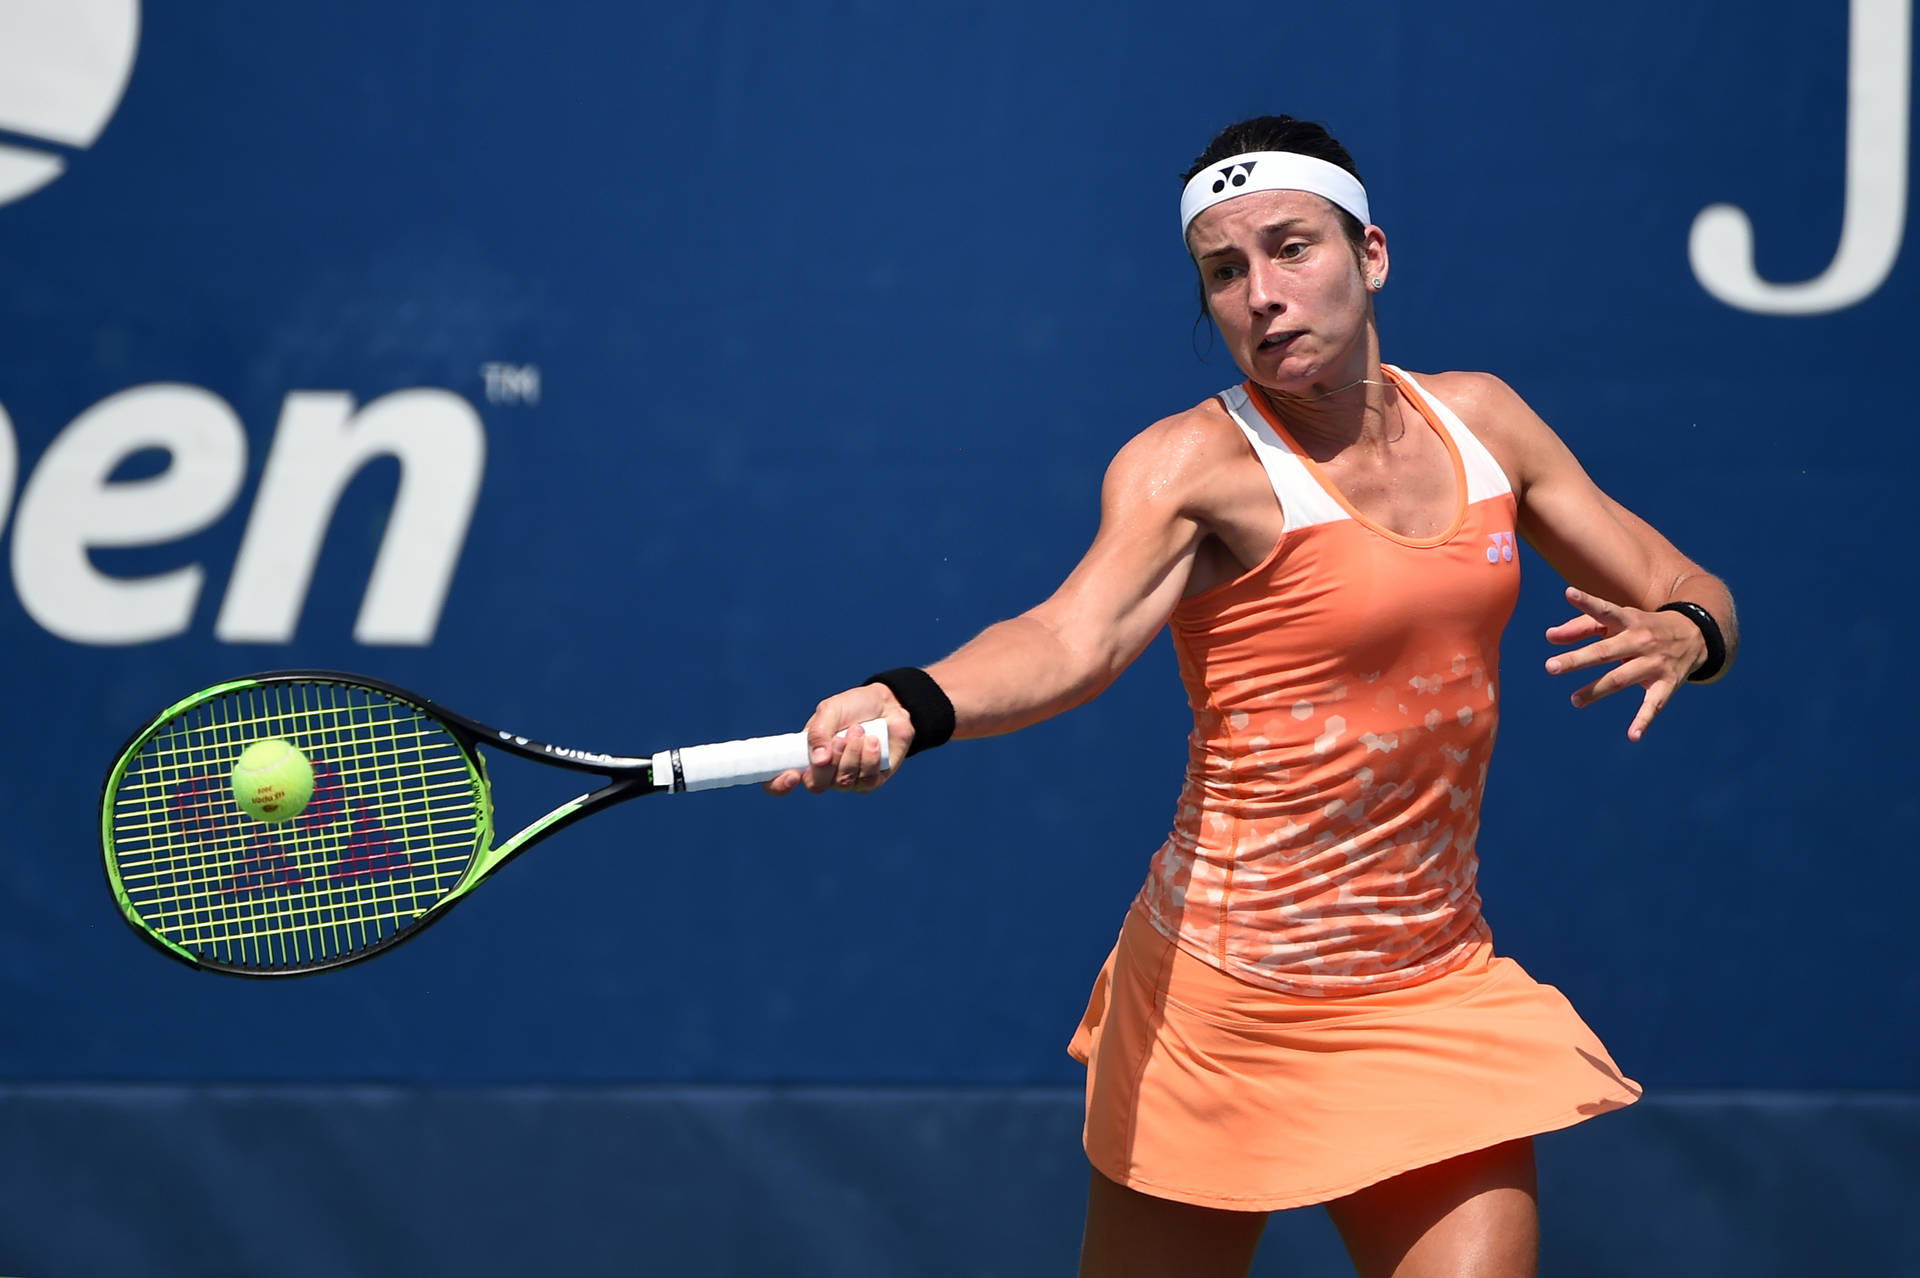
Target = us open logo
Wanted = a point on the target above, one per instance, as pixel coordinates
(64, 65)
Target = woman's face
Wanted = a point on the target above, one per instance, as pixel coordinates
(1281, 281)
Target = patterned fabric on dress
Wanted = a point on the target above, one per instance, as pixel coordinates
(1345, 698)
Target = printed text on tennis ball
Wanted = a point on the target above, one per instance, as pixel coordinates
(272, 781)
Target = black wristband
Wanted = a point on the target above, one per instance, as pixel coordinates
(1710, 631)
(924, 702)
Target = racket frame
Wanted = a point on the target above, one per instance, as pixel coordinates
(627, 777)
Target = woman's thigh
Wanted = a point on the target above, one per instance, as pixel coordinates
(1475, 1216)
(1134, 1235)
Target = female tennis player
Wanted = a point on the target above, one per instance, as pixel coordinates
(1304, 1005)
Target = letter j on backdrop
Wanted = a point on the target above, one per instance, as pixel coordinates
(1879, 89)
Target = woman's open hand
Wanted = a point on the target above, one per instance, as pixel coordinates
(1655, 650)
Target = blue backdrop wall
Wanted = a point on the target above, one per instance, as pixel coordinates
(635, 374)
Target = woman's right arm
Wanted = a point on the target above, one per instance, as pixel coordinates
(1066, 650)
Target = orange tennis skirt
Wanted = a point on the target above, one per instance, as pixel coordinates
(1207, 1090)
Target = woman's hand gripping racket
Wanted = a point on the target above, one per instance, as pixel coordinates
(372, 822)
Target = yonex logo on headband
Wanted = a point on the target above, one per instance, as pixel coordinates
(1271, 171)
(1234, 175)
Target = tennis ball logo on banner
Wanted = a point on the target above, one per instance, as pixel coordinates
(64, 65)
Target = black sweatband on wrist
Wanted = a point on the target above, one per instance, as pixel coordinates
(924, 702)
(1710, 631)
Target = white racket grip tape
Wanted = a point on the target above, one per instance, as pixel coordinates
(749, 762)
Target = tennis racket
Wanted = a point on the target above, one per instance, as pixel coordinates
(398, 828)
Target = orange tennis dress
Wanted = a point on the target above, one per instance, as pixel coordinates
(1304, 999)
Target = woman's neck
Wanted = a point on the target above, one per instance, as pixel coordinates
(1362, 410)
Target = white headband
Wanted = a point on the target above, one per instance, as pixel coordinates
(1271, 171)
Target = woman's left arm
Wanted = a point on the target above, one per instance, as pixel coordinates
(1623, 576)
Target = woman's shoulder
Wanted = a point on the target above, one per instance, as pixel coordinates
(1490, 408)
(1180, 452)
(1200, 432)
(1463, 390)
(1519, 439)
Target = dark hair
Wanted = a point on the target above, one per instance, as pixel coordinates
(1274, 133)
(1284, 133)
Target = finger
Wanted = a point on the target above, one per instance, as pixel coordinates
(784, 783)
(878, 761)
(1596, 654)
(821, 777)
(1594, 606)
(1576, 630)
(871, 773)
(1642, 670)
(859, 766)
(831, 717)
(820, 731)
(1658, 694)
(851, 755)
(825, 743)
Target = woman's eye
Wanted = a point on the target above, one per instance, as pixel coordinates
(1293, 248)
(1221, 274)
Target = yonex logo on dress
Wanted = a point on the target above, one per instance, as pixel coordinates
(1501, 549)
(1234, 175)
(64, 65)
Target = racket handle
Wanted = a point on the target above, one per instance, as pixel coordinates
(749, 762)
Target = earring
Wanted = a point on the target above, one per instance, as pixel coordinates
(1377, 282)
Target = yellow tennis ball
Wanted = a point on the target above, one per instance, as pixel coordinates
(272, 780)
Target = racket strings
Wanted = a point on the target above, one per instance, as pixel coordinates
(391, 826)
